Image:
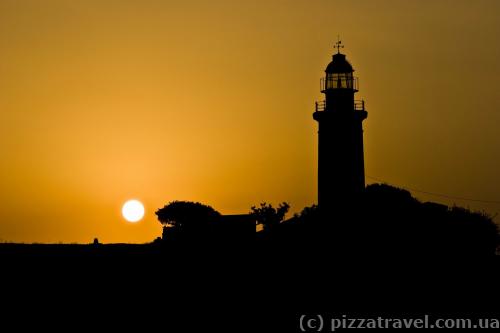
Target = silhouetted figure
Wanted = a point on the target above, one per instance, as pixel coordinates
(340, 158)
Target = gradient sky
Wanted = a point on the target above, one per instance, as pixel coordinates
(212, 101)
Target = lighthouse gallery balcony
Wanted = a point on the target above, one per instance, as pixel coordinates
(359, 105)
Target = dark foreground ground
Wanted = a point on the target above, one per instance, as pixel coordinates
(232, 287)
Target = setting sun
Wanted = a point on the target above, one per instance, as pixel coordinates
(133, 210)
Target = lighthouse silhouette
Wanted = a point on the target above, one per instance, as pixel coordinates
(341, 173)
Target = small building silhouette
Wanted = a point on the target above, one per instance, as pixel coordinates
(236, 228)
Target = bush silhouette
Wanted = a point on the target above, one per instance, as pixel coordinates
(187, 216)
(388, 221)
(268, 216)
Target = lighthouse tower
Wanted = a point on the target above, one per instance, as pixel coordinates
(341, 173)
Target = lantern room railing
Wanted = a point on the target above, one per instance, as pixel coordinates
(359, 105)
(340, 82)
(320, 106)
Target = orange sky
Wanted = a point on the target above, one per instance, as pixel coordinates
(212, 101)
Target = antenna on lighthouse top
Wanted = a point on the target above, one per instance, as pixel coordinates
(338, 44)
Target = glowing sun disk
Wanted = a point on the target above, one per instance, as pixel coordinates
(133, 210)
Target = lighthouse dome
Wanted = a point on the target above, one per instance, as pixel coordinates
(339, 64)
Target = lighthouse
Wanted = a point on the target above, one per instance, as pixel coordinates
(341, 171)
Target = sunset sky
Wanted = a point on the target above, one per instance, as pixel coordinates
(102, 101)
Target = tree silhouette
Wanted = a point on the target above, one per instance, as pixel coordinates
(187, 216)
(268, 216)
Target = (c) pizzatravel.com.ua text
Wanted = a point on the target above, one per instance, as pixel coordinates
(323, 323)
